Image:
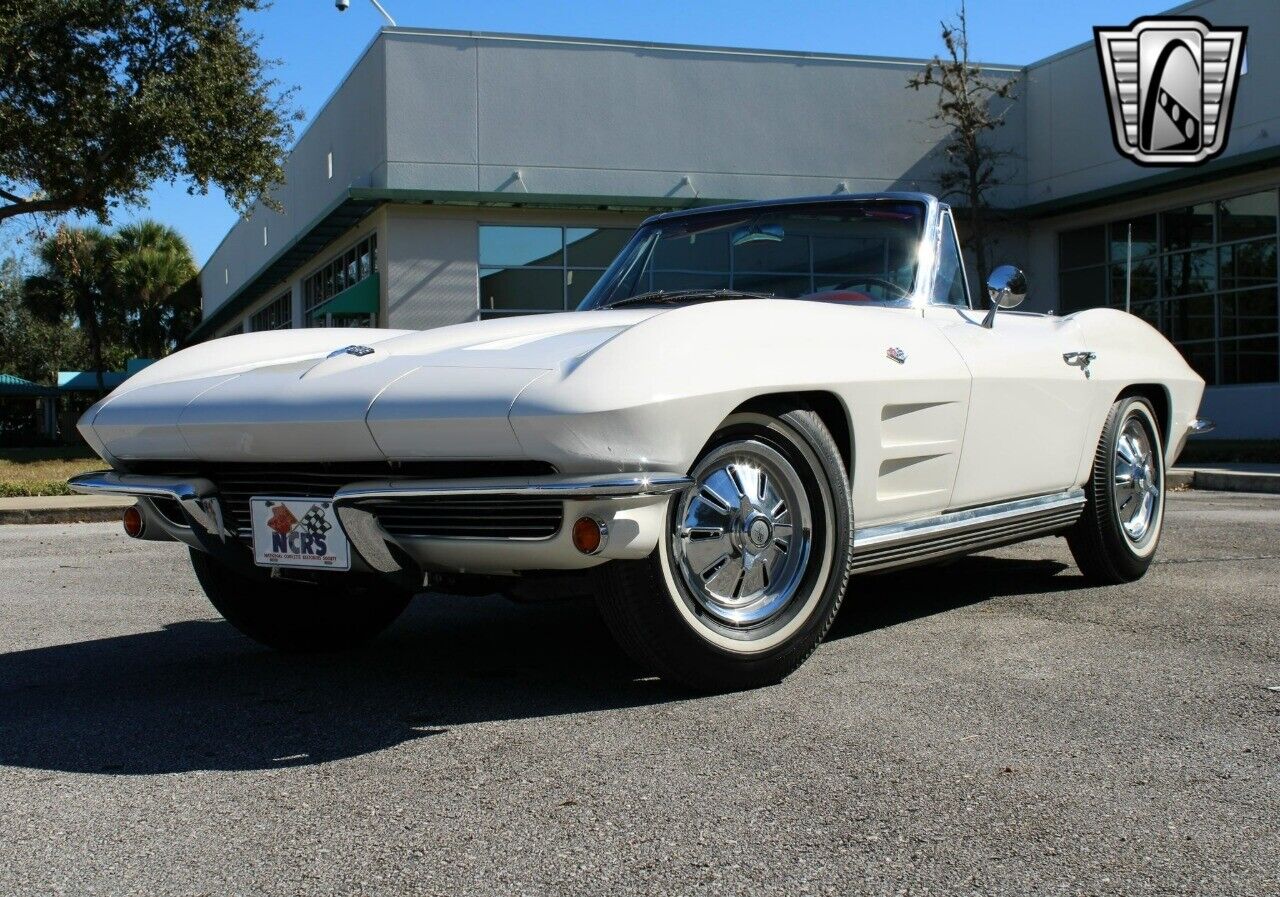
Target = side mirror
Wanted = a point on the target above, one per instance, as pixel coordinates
(1007, 287)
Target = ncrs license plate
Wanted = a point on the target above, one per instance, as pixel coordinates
(298, 532)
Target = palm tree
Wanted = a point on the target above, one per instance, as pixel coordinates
(76, 276)
(154, 276)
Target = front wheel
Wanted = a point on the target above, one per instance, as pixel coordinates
(299, 616)
(753, 564)
(1115, 538)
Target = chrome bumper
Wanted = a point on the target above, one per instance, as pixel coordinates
(630, 496)
(196, 496)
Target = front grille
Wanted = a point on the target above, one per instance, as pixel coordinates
(475, 516)
(484, 517)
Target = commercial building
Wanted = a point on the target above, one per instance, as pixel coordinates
(454, 176)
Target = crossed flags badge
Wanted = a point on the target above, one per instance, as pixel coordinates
(315, 521)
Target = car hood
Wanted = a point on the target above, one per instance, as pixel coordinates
(297, 395)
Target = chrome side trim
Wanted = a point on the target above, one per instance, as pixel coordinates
(1200, 425)
(960, 532)
(604, 486)
(197, 496)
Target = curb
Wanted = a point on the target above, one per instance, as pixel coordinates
(60, 515)
(1236, 481)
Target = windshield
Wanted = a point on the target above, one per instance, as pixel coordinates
(846, 251)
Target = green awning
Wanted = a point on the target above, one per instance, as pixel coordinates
(361, 299)
(12, 386)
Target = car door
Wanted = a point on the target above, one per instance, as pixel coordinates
(1028, 404)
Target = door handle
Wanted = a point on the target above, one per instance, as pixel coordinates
(1080, 360)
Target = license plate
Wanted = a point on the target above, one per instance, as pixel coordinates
(298, 532)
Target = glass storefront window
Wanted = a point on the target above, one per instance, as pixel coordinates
(1145, 242)
(1249, 312)
(521, 246)
(1084, 288)
(1248, 264)
(1189, 272)
(1145, 283)
(1190, 319)
(342, 271)
(521, 289)
(1206, 275)
(529, 268)
(1086, 246)
(1187, 228)
(1250, 360)
(1244, 217)
(594, 247)
(276, 315)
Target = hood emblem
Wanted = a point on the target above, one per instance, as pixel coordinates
(357, 351)
(896, 354)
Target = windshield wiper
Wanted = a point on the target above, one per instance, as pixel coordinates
(678, 295)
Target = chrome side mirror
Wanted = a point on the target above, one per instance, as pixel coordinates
(1007, 287)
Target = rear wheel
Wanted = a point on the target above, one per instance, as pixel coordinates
(299, 616)
(752, 568)
(1115, 538)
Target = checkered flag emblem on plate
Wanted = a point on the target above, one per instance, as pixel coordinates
(315, 521)
(1170, 83)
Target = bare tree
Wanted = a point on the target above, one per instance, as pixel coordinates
(966, 96)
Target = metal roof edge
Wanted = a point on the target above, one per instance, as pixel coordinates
(622, 43)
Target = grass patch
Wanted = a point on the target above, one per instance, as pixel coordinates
(1245, 451)
(43, 471)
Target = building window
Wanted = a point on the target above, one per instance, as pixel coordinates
(339, 273)
(1205, 275)
(530, 269)
(277, 315)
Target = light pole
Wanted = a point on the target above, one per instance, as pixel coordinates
(343, 5)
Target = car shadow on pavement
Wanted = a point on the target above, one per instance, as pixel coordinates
(877, 602)
(196, 695)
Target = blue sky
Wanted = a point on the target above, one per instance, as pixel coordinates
(316, 45)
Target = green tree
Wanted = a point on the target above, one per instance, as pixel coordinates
(99, 100)
(77, 278)
(972, 105)
(155, 280)
(34, 347)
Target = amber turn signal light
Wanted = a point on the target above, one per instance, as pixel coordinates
(133, 522)
(589, 535)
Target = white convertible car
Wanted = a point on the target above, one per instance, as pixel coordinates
(755, 403)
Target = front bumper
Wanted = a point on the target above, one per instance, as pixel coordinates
(631, 505)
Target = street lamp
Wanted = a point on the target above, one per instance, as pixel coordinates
(344, 5)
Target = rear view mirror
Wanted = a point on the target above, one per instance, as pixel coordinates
(769, 233)
(1006, 287)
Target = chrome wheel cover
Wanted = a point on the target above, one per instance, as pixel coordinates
(742, 535)
(1136, 481)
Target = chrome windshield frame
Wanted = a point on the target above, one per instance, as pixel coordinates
(927, 252)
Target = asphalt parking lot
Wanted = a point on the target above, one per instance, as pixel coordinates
(990, 727)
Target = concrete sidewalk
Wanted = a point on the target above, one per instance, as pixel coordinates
(63, 509)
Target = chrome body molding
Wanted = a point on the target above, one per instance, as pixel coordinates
(1200, 425)
(960, 532)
